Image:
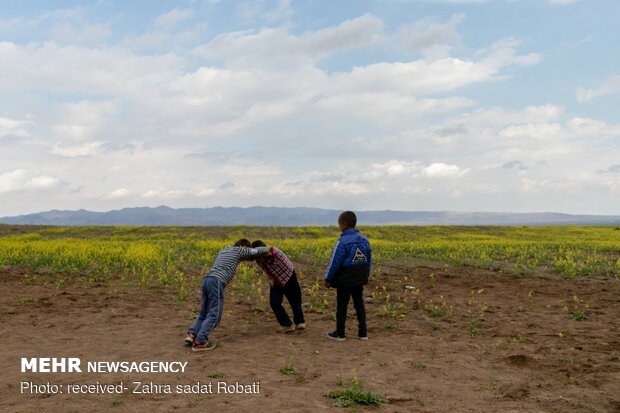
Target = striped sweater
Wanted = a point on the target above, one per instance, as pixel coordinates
(227, 260)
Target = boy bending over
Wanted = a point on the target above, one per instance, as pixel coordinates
(213, 284)
(283, 283)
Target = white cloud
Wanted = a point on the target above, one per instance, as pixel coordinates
(11, 181)
(173, 17)
(50, 68)
(394, 167)
(610, 86)
(82, 121)
(13, 127)
(118, 193)
(23, 180)
(42, 182)
(496, 116)
(590, 126)
(442, 170)
(164, 194)
(542, 131)
(162, 39)
(261, 116)
(426, 33)
(424, 77)
(71, 151)
(277, 48)
(81, 34)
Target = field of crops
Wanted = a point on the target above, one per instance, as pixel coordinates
(166, 255)
(460, 318)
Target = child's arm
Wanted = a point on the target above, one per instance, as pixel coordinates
(250, 253)
(335, 262)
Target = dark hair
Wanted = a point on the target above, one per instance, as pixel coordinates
(348, 218)
(243, 243)
(258, 243)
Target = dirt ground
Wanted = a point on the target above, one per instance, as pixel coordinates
(528, 353)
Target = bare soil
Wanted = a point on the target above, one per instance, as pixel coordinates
(527, 355)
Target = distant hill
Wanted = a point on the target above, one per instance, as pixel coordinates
(267, 216)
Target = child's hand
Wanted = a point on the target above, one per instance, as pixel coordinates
(327, 284)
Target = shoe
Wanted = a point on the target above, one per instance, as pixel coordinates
(204, 346)
(189, 340)
(335, 336)
(300, 326)
(362, 336)
(286, 329)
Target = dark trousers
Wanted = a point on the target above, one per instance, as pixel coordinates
(292, 292)
(342, 302)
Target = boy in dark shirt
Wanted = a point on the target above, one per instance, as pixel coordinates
(348, 271)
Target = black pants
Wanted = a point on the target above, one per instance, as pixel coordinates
(342, 302)
(292, 291)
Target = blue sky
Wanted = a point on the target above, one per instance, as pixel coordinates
(464, 105)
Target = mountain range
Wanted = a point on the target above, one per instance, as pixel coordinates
(268, 216)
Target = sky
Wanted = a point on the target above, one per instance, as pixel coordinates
(417, 105)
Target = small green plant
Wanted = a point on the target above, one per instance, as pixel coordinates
(318, 297)
(418, 365)
(30, 301)
(215, 375)
(288, 369)
(354, 394)
(439, 310)
(578, 310)
(475, 315)
(435, 311)
(181, 287)
(433, 279)
(340, 377)
(389, 325)
(394, 308)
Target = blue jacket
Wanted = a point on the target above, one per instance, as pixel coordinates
(349, 264)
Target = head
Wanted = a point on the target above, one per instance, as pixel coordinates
(243, 243)
(347, 220)
(259, 243)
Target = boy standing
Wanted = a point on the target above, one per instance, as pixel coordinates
(283, 282)
(213, 284)
(348, 271)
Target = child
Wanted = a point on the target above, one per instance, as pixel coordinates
(283, 282)
(348, 271)
(213, 284)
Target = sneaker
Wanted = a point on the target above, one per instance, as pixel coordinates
(300, 326)
(335, 336)
(189, 340)
(362, 336)
(286, 329)
(204, 346)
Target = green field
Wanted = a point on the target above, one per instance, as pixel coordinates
(491, 318)
(160, 256)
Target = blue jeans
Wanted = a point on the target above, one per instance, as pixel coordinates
(211, 308)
